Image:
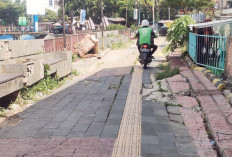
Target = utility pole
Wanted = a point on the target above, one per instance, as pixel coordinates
(153, 15)
(169, 16)
(102, 28)
(64, 38)
(126, 11)
(221, 7)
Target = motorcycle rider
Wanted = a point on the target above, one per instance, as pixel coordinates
(145, 35)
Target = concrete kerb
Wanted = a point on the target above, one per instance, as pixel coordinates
(217, 81)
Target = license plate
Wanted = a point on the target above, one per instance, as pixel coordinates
(145, 50)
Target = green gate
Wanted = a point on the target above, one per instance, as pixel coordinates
(208, 51)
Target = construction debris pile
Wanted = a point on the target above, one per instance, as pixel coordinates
(87, 47)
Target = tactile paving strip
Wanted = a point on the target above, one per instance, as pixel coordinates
(128, 143)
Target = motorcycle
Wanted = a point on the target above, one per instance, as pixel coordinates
(144, 57)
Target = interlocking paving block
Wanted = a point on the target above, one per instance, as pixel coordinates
(150, 149)
(110, 131)
(178, 126)
(176, 118)
(117, 109)
(151, 120)
(76, 134)
(170, 153)
(61, 132)
(116, 121)
(149, 139)
(100, 116)
(183, 132)
(173, 110)
(161, 113)
(149, 129)
(187, 149)
(81, 127)
(146, 77)
(163, 128)
(95, 129)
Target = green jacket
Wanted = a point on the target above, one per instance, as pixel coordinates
(145, 36)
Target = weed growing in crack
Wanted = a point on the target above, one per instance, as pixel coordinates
(170, 104)
(167, 71)
(160, 87)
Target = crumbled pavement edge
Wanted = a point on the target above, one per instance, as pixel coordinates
(218, 82)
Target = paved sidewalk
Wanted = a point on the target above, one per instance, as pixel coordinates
(128, 143)
(216, 111)
(81, 120)
(163, 131)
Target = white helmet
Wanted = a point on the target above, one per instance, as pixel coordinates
(145, 23)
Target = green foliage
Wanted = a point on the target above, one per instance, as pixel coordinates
(75, 72)
(120, 44)
(49, 16)
(44, 86)
(178, 33)
(74, 57)
(10, 11)
(134, 27)
(116, 27)
(166, 49)
(2, 111)
(160, 87)
(167, 72)
(171, 104)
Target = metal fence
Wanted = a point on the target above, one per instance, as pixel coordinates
(8, 30)
(208, 51)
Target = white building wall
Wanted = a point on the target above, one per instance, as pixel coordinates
(52, 5)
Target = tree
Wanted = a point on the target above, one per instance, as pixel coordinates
(49, 16)
(200, 5)
(10, 12)
(178, 33)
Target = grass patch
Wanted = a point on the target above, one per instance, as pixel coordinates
(166, 49)
(75, 72)
(74, 57)
(44, 86)
(118, 45)
(121, 44)
(170, 104)
(2, 111)
(160, 87)
(167, 71)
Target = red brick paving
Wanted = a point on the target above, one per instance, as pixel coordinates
(195, 125)
(217, 110)
(178, 84)
(186, 101)
(78, 147)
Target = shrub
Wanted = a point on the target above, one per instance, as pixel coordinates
(116, 27)
(134, 27)
(178, 33)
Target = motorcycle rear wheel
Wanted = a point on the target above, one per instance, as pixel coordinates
(145, 64)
